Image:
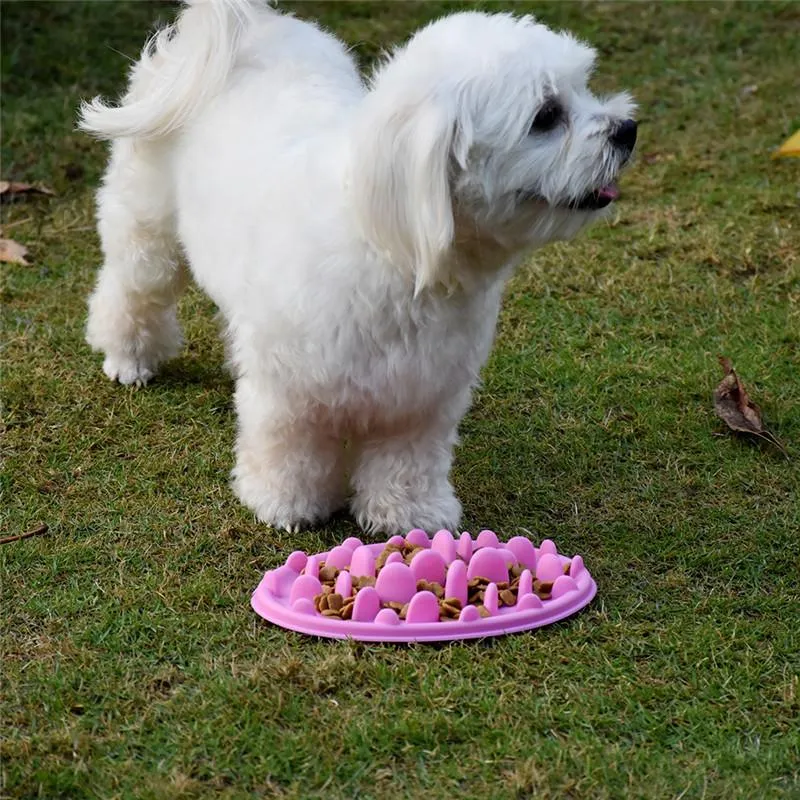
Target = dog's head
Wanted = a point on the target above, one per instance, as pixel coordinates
(482, 127)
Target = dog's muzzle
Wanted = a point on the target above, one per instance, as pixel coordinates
(597, 199)
(623, 139)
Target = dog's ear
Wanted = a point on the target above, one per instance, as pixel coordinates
(401, 186)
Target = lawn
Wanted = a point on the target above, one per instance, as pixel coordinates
(132, 665)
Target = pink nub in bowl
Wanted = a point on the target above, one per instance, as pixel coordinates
(425, 589)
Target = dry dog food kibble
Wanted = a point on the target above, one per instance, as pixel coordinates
(508, 597)
(327, 573)
(329, 603)
(335, 602)
(431, 586)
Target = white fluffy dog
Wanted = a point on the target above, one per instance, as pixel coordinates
(355, 238)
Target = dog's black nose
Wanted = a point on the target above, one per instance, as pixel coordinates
(624, 136)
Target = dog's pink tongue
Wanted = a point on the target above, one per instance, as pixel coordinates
(609, 192)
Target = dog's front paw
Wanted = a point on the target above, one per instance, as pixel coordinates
(392, 514)
(285, 509)
(286, 517)
(128, 370)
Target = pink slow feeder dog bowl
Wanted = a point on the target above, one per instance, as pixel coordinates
(418, 589)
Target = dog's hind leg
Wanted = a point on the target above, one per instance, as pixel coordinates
(132, 311)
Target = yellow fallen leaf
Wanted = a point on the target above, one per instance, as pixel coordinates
(12, 252)
(791, 147)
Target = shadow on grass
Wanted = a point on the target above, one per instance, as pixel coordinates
(482, 644)
(196, 372)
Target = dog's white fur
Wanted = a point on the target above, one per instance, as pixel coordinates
(356, 239)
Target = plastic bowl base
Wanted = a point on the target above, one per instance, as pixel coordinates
(546, 587)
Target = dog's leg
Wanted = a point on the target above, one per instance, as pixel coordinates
(290, 470)
(402, 482)
(132, 311)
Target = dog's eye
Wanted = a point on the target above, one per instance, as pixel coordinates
(548, 117)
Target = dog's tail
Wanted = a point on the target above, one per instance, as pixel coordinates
(181, 68)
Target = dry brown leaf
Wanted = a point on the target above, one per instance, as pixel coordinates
(12, 252)
(10, 190)
(734, 407)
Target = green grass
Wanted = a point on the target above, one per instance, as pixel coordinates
(132, 664)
